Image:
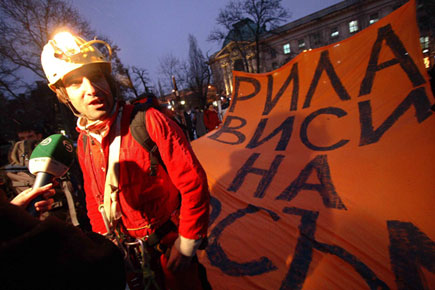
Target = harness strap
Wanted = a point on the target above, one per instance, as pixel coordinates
(111, 205)
(70, 202)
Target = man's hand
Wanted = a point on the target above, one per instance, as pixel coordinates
(177, 262)
(24, 198)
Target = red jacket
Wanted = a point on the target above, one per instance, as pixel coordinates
(148, 201)
(211, 120)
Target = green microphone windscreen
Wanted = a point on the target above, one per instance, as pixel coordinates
(54, 155)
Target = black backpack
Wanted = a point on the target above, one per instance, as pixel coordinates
(15, 175)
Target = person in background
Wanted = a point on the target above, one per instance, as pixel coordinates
(211, 118)
(29, 133)
(225, 105)
(201, 130)
(161, 215)
(50, 254)
(190, 125)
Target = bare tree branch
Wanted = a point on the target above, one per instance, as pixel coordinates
(169, 66)
(198, 74)
(141, 76)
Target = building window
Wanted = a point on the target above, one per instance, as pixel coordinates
(238, 65)
(373, 18)
(334, 32)
(286, 48)
(316, 39)
(272, 53)
(424, 42)
(301, 44)
(353, 26)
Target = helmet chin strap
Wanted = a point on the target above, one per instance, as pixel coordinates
(62, 94)
(74, 111)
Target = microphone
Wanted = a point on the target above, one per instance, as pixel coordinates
(50, 159)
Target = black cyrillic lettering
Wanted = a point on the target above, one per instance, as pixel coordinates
(216, 208)
(219, 259)
(304, 136)
(410, 249)
(236, 96)
(326, 65)
(303, 254)
(265, 180)
(270, 103)
(226, 129)
(326, 188)
(401, 57)
(285, 128)
(416, 98)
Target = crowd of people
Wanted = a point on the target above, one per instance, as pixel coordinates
(198, 122)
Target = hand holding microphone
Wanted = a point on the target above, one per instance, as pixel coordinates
(51, 159)
(26, 196)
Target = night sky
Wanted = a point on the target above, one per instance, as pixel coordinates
(147, 30)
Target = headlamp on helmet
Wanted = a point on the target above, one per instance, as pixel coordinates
(65, 44)
(66, 53)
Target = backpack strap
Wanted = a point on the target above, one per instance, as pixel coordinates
(21, 151)
(140, 134)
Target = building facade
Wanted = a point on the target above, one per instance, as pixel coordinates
(324, 27)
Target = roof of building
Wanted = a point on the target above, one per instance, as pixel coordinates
(248, 36)
(242, 31)
(313, 16)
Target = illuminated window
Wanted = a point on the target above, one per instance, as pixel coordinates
(424, 42)
(353, 26)
(286, 48)
(334, 33)
(373, 18)
(301, 44)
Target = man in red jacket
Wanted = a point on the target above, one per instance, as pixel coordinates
(164, 214)
(211, 118)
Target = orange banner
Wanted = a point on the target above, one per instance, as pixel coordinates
(323, 173)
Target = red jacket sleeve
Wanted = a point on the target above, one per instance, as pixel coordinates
(185, 172)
